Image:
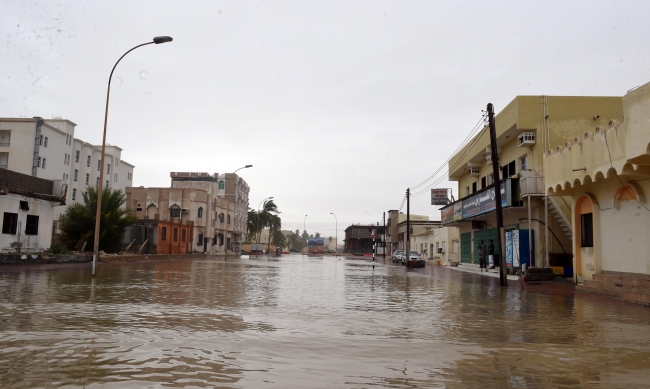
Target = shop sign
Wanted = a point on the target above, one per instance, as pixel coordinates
(485, 202)
(440, 196)
(452, 213)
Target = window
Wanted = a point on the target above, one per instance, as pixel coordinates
(40, 141)
(76, 173)
(87, 178)
(97, 182)
(473, 187)
(99, 164)
(200, 213)
(139, 207)
(200, 241)
(108, 170)
(183, 233)
(214, 240)
(587, 230)
(74, 193)
(490, 179)
(222, 185)
(523, 163)
(115, 177)
(467, 191)
(88, 161)
(31, 226)
(228, 219)
(44, 161)
(221, 218)
(9, 223)
(24, 205)
(163, 233)
(483, 182)
(117, 162)
(76, 155)
(39, 162)
(107, 182)
(174, 212)
(45, 142)
(129, 176)
(509, 170)
(175, 234)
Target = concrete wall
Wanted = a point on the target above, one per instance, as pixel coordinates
(428, 242)
(28, 243)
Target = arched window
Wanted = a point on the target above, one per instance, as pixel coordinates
(221, 217)
(200, 213)
(222, 185)
(228, 219)
(174, 211)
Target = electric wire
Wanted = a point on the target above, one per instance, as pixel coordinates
(463, 143)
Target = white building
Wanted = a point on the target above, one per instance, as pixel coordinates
(47, 148)
(26, 212)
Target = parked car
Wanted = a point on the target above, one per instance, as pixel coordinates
(293, 250)
(399, 256)
(413, 255)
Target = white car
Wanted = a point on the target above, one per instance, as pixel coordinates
(413, 255)
(399, 256)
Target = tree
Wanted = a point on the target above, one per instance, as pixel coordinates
(317, 235)
(78, 221)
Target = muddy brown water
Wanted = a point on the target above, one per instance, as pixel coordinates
(305, 322)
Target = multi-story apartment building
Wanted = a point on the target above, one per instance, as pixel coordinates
(526, 128)
(604, 172)
(47, 148)
(200, 199)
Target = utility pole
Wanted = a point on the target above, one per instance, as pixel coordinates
(408, 225)
(383, 236)
(503, 280)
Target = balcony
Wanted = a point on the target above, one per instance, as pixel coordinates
(5, 144)
(531, 186)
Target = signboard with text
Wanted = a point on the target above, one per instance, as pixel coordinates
(440, 196)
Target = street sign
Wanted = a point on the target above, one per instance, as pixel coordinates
(372, 234)
(440, 196)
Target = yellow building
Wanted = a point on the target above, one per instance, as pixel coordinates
(526, 128)
(604, 171)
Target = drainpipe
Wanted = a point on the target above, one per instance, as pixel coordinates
(37, 139)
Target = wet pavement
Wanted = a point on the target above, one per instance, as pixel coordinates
(310, 322)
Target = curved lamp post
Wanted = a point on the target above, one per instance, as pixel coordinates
(258, 221)
(337, 233)
(235, 202)
(157, 40)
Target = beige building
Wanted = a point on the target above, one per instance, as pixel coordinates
(526, 128)
(200, 198)
(604, 172)
(438, 244)
(396, 229)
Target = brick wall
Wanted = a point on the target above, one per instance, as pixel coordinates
(23, 184)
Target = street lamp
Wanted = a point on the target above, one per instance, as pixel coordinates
(157, 40)
(234, 202)
(259, 235)
(304, 229)
(337, 233)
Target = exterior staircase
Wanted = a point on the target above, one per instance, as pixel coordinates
(555, 209)
(630, 287)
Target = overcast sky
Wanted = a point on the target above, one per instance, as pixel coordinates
(339, 105)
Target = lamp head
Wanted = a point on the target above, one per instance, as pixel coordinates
(247, 166)
(162, 39)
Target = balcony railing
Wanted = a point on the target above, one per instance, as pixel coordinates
(4, 166)
(531, 186)
(5, 144)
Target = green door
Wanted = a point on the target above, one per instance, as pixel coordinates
(466, 247)
(486, 235)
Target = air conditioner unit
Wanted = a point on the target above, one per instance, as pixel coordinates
(185, 210)
(441, 250)
(526, 139)
(474, 171)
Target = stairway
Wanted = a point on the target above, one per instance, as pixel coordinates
(556, 211)
(631, 287)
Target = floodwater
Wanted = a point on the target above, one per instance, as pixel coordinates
(299, 322)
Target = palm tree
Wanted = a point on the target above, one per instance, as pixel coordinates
(78, 221)
(275, 226)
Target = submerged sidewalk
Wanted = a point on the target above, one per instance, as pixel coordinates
(474, 268)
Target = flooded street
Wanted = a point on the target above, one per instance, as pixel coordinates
(299, 322)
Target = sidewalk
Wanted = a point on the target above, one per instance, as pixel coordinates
(474, 268)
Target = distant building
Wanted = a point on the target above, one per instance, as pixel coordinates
(358, 238)
(47, 148)
(27, 204)
(200, 202)
(396, 229)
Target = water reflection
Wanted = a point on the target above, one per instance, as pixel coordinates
(310, 323)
